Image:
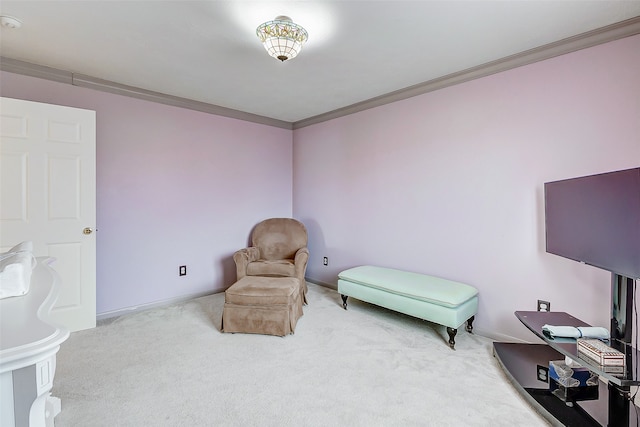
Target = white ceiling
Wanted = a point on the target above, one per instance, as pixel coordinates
(357, 50)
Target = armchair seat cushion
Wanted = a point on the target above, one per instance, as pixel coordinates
(276, 267)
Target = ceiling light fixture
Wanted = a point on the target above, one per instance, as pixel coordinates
(10, 22)
(282, 38)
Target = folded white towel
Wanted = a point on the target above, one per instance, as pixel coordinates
(15, 270)
(575, 332)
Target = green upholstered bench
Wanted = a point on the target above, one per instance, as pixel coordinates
(430, 298)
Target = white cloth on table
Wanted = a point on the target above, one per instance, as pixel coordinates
(575, 331)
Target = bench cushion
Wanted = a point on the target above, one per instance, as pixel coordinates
(434, 290)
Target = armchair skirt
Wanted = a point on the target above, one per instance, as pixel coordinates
(262, 305)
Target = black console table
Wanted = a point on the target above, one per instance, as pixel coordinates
(526, 365)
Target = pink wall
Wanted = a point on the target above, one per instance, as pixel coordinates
(450, 183)
(174, 187)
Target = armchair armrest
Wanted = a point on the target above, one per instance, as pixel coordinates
(242, 258)
(300, 264)
(300, 261)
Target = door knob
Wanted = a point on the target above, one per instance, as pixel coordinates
(87, 230)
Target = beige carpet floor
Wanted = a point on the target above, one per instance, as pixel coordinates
(366, 366)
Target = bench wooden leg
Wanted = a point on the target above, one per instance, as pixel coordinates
(452, 334)
(344, 301)
(469, 326)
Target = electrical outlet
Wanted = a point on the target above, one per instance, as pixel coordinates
(182, 270)
(544, 305)
(542, 373)
(325, 261)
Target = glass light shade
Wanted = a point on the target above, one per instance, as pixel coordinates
(282, 38)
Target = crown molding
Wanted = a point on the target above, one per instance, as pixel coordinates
(627, 28)
(40, 71)
(606, 34)
(162, 98)
(80, 80)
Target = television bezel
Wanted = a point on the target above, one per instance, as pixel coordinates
(633, 205)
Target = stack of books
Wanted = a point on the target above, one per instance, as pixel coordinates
(606, 358)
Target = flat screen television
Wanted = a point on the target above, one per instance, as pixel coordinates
(596, 220)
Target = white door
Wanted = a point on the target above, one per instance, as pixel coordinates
(47, 195)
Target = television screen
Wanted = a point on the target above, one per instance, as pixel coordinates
(596, 220)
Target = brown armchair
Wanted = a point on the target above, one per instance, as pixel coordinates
(278, 249)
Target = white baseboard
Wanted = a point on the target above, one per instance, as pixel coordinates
(155, 304)
(163, 303)
(176, 300)
(492, 335)
(321, 283)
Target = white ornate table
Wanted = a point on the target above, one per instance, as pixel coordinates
(28, 347)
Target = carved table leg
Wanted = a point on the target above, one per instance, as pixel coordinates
(344, 301)
(469, 326)
(452, 333)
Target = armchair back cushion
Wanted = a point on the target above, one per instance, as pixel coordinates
(279, 238)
